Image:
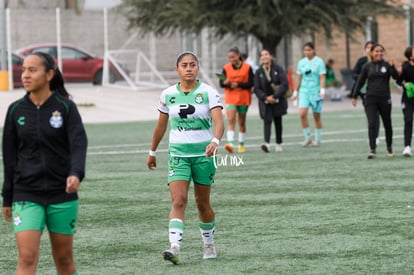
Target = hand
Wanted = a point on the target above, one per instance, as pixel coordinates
(211, 149)
(294, 96)
(270, 100)
(354, 101)
(234, 85)
(152, 162)
(7, 213)
(72, 184)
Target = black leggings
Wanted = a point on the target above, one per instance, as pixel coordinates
(278, 129)
(408, 112)
(374, 106)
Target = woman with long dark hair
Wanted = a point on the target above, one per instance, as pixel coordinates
(237, 81)
(310, 88)
(377, 100)
(44, 154)
(270, 86)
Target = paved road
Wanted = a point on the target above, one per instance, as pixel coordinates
(102, 104)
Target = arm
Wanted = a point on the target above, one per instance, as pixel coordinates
(224, 83)
(249, 83)
(393, 71)
(322, 79)
(360, 81)
(78, 144)
(217, 116)
(297, 86)
(358, 67)
(159, 132)
(10, 145)
(257, 87)
(9, 161)
(401, 77)
(359, 84)
(284, 83)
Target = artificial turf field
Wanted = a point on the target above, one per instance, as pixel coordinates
(326, 210)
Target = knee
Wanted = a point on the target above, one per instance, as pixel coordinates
(64, 262)
(28, 258)
(203, 207)
(179, 202)
(303, 116)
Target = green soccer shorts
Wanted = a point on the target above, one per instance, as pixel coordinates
(59, 218)
(199, 169)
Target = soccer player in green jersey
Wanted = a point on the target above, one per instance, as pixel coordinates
(194, 111)
(310, 88)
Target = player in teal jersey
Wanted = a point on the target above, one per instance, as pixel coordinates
(310, 88)
(194, 111)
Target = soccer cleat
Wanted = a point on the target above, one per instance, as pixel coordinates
(316, 143)
(372, 155)
(407, 151)
(229, 148)
(209, 251)
(278, 147)
(390, 152)
(171, 255)
(241, 149)
(265, 147)
(307, 142)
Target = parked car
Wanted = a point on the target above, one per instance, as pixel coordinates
(17, 62)
(77, 64)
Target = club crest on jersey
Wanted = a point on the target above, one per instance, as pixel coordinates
(56, 120)
(199, 98)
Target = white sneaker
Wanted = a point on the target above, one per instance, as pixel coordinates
(407, 151)
(209, 251)
(172, 255)
(307, 142)
(265, 147)
(278, 147)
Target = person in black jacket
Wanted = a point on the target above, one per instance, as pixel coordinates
(355, 73)
(44, 154)
(406, 80)
(270, 86)
(377, 74)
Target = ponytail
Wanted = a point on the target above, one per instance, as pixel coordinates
(56, 83)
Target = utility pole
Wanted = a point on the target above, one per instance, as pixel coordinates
(3, 42)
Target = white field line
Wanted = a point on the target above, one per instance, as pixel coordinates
(101, 149)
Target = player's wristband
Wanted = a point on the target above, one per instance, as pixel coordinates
(295, 93)
(152, 153)
(216, 141)
(322, 91)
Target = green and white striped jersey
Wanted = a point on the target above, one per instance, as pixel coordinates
(190, 118)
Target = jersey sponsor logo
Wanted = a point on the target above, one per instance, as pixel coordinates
(185, 110)
(56, 120)
(21, 121)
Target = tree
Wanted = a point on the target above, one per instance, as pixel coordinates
(267, 20)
